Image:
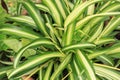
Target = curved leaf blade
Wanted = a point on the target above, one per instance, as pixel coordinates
(61, 67)
(54, 12)
(32, 62)
(68, 34)
(43, 8)
(78, 46)
(84, 21)
(9, 29)
(83, 61)
(62, 8)
(34, 13)
(23, 20)
(107, 73)
(48, 71)
(77, 12)
(32, 44)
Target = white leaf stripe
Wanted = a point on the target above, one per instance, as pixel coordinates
(83, 61)
(106, 72)
(104, 40)
(82, 22)
(110, 50)
(33, 62)
(68, 34)
(106, 60)
(110, 27)
(111, 7)
(54, 12)
(42, 7)
(34, 12)
(77, 12)
(19, 32)
(62, 8)
(23, 19)
(62, 66)
(78, 46)
(32, 44)
(79, 71)
(96, 34)
(48, 71)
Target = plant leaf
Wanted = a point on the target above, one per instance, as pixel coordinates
(83, 61)
(34, 13)
(68, 34)
(107, 73)
(42, 7)
(24, 20)
(78, 46)
(9, 29)
(62, 66)
(32, 62)
(54, 12)
(36, 42)
(78, 11)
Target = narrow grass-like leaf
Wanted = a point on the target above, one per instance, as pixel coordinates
(70, 5)
(9, 29)
(96, 33)
(84, 21)
(54, 12)
(41, 73)
(33, 62)
(110, 27)
(106, 60)
(111, 7)
(107, 73)
(51, 29)
(55, 67)
(62, 8)
(68, 34)
(87, 28)
(97, 53)
(72, 73)
(61, 67)
(106, 4)
(77, 71)
(42, 7)
(19, 8)
(48, 71)
(23, 20)
(111, 50)
(76, 3)
(104, 40)
(83, 61)
(6, 62)
(41, 41)
(3, 71)
(78, 46)
(35, 14)
(78, 11)
(107, 66)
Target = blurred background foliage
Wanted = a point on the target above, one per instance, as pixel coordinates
(11, 5)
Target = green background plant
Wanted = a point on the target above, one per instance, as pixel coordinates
(61, 40)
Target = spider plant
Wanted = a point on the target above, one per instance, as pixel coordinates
(63, 40)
